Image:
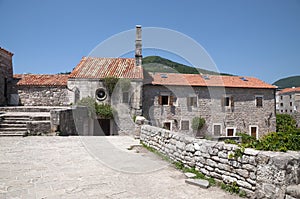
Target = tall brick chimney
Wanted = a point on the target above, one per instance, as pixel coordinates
(138, 46)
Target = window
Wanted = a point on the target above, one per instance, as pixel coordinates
(166, 99)
(281, 97)
(290, 96)
(192, 101)
(230, 131)
(281, 111)
(125, 98)
(217, 129)
(185, 125)
(291, 111)
(259, 101)
(167, 125)
(281, 104)
(227, 101)
(291, 103)
(253, 131)
(100, 94)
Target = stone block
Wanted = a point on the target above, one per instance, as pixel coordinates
(293, 190)
(190, 175)
(198, 182)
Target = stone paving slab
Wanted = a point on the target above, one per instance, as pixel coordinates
(71, 167)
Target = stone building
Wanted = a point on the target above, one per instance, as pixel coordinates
(6, 76)
(41, 90)
(229, 104)
(88, 80)
(288, 102)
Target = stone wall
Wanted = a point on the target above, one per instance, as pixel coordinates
(240, 115)
(6, 76)
(39, 128)
(261, 174)
(43, 96)
(123, 120)
(71, 121)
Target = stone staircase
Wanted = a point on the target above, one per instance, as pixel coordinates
(23, 121)
(13, 125)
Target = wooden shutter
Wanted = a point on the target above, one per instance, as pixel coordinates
(171, 100)
(159, 100)
(232, 103)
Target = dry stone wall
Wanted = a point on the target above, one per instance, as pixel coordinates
(261, 174)
(43, 96)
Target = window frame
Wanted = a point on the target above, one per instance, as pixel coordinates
(234, 131)
(182, 125)
(194, 104)
(256, 126)
(256, 101)
(213, 130)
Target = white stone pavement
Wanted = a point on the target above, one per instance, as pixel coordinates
(89, 167)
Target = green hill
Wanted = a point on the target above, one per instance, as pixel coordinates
(163, 65)
(288, 82)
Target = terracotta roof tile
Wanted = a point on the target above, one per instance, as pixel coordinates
(41, 80)
(206, 80)
(290, 90)
(97, 68)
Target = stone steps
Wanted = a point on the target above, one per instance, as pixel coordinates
(13, 133)
(13, 125)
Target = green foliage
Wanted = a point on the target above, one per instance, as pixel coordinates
(274, 141)
(288, 82)
(232, 188)
(159, 64)
(110, 84)
(228, 141)
(104, 111)
(285, 123)
(198, 123)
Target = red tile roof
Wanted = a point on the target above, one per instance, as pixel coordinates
(41, 80)
(98, 68)
(290, 90)
(206, 80)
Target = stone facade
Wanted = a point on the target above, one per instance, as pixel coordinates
(6, 76)
(260, 174)
(126, 106)
(288, 103)
(243, 113)
(43, 96)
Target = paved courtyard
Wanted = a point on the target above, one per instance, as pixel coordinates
(89, 167)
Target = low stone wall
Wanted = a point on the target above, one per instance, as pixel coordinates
(43, 96)
(261, 174)
(39, 128)
(70, 121)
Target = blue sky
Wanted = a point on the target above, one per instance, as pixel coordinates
(258, 38)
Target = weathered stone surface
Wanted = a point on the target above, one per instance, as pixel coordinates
(190, 148)
(293, 190)
(198, 182)
(242, 172)
(190, 175)
(180, 145)
(211, 163)
(196, 146)
(244, 184)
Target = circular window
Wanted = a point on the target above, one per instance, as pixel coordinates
(100, 94)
